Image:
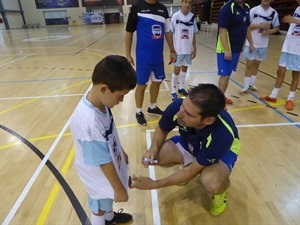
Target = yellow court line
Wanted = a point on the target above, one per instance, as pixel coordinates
(27, 102)
(48, 205)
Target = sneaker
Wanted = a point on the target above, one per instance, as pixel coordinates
(140, 118)
(268, 99)
(253, 88)
(119, 217)
(218, 204)
(289, 105)
(174, 96)
(244, 91)
(155, 112)
(228, 101)
(182, 92)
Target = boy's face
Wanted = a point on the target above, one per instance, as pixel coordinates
(110, 99)
(187, 5)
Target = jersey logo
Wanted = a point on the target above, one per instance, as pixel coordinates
(211, 160)
(237, 13)
(184, 34)
(191, 148)
(157, 32)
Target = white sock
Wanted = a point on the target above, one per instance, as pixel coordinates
(152, 105)
(109, 215)
(174, 82)
(274, 92)
(291, 96)
(247, 83)
(97, 220)
(138, 110)
(252, 80)
(182, 77)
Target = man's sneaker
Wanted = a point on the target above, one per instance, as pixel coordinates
(182, 92)
(253, 88)
(289, 105)
(155, 112)
(119, 217)
(244, 91)
(218, 204)
(268, 99)
(228, 101)
(140, 118)
(174, 96)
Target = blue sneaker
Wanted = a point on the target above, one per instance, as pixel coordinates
(182, 92)
(174, 96)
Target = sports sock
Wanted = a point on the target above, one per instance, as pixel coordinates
(182, 77)
(152, 105)
(97, 220)
(291, 96)
(109, 215)
(174, 82)
(247, 83)
(252, 80)
(274, 92)
(138, 110)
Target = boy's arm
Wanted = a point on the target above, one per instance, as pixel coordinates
(194, 46)
(290, 19)
(120, 193)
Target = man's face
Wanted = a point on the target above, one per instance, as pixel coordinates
(239, 1)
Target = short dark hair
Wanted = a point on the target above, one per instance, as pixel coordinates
(116, 72)
(209, 98)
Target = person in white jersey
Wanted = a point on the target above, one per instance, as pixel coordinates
(100, 160)
(183, 27)
(262, 18)
(289, 60)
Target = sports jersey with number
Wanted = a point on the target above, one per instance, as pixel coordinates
(292, 40)
(96, 142)
(150, 21)
(183, 28)
(259, 15)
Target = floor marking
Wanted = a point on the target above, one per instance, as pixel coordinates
(154, 195)
(251, 101)
(294, 114)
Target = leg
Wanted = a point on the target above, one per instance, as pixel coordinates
(175, 76)
(295, 80)
(169, 155)
(139, 95)
(154, 90)
(98, 218)
(182, 77)
(280, 76)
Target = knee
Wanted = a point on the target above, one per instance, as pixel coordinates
(210, 183)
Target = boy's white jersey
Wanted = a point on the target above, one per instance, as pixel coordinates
(259, 15)
(183, 28)
(96, 142)
(292, 40)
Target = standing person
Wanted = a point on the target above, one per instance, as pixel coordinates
(183, 26)
(100, 160)
(233, 22)
(261, 17)
(150, 19)
(208, 144)
(289, 60)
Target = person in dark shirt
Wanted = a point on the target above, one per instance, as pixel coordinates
(208, 144)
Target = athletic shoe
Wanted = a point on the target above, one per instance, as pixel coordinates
(174, 96)
(268, 99)
(244, 91)
(253, 88)
(155, 112)
(289, 105)
(119, 217)
(228, 101)
(182, 92)
(140, 118)
(218, 204)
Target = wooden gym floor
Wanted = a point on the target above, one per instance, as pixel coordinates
(45, 72)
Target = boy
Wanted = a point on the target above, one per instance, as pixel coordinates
(289, 60)
(183, 27)
(261, 17)
(100, 160)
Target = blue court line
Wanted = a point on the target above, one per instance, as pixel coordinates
(56, 79)
(276, 110)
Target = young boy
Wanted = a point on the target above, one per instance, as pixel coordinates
(289, 60)
(100, 160)
(261, 17)
(183, 27)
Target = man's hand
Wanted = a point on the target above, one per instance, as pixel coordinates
(227, 55)
(150, 156)
(142, 183)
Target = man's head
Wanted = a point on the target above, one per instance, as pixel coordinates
(200, 108)
(113, 78)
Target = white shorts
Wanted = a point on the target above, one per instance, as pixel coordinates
(258, 54)
(188, 157)
(290, 61)
(183, 60)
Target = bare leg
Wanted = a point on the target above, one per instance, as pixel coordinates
(169, 155)
(280, 76)
(139, 95)
(223, 83)
(295, 80)
(154, 90)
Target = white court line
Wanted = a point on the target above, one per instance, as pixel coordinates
(154, 195)
(16, 60)
(33, 178)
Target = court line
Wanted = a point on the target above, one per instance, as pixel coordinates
(15, 60)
